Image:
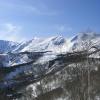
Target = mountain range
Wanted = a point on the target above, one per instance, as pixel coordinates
(32, 60)
(54, 45)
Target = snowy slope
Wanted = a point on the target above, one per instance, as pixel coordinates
(85, 40)
(56, 45)
(42, 61)
(50, 44)
(27, 44)
(7, 46)
(59, 44)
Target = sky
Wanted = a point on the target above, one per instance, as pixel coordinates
(25, 19)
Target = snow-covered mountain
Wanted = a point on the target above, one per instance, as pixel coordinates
(85, 40)
(53, 44)
(56, 45)
(7, 46)
(59, 44)
(40, 57)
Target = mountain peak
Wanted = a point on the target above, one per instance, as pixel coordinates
(57, 40)
(85, 35)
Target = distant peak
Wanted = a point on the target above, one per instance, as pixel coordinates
(58, 40)
(85, 35)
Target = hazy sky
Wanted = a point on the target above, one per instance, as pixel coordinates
(25, 19)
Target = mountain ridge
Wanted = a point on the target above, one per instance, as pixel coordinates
(54, 44)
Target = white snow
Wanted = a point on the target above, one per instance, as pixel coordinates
(56, 45)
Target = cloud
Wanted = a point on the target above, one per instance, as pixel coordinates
(38, 10)
(63, 28)
(35, 9)
(10, 32)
